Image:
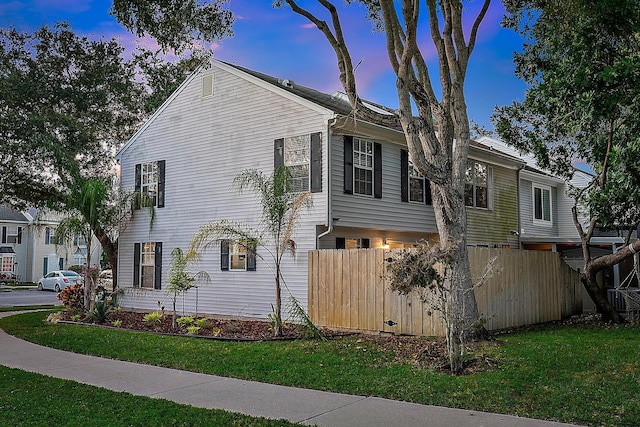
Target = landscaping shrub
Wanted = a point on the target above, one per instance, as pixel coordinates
(72, 298)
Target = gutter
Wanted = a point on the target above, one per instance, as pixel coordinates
(329, 189)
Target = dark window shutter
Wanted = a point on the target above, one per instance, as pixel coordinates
(138, 177)
(348, 164)
(377, 170)
(20, 235)
(427, 192)
(316, 162)
(157, 284)
(224, 255)
(4, 234)
(136, 265)
(251, 256)
(278, 153)
(341, 243)
(138, 185)
(161, 169)
(366, 243)
(404, 175)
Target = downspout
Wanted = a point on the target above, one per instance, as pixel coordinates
(519, 233)
(329, 189)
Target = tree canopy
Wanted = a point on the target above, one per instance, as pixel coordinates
(68, 103)
(582, 62)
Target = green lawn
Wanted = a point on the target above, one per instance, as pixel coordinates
(28, 399)
(579, 374)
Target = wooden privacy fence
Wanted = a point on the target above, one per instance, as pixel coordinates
(348, 290)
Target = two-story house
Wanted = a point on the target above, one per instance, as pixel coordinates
(546, 219)
(225, 119)
(28, 250)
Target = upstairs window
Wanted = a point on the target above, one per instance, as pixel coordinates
(297, 154)
(362, 167)
(48, 236)
(477, 186)
(79, 240)
(413, 186)
(302, 155)
(416, 185)
(12, 234)
(542, 205)
(149, 181)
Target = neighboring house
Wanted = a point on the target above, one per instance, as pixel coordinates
(225, 119)
(546, 220)
(27, 247)
(13, 245)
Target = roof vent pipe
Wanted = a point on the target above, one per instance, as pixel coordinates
(287, 83)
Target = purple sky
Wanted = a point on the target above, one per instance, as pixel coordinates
(283, 44)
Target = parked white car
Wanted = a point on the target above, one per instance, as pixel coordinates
(58, 280)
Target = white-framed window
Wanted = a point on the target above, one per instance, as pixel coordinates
(238, 255)
(207, 85)
(542, 205)
(12, 234)
(79, 240)
(362, 167)
(297, 154)
(416, 185)
(478, 185)
(48, 236)
(147, 264)
(149, 181)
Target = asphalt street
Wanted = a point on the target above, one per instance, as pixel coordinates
(20, 297)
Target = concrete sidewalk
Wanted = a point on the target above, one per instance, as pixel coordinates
(253, 398)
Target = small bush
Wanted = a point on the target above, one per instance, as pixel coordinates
(100, 312)
(117, 323)
(185, 321)
(193, 330)
(202, 323)
(72, 297)
(152, 319)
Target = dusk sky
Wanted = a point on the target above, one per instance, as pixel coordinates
(283, 44)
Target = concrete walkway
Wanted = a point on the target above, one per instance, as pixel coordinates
(248, 397)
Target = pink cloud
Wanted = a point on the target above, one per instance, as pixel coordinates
(309, 25)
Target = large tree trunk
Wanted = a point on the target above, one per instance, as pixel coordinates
(598, 293)
(461, 310)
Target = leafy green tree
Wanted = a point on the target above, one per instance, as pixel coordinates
(68, 103)
(582, 62)
(181, 279)
(281, 209)
(441, 109)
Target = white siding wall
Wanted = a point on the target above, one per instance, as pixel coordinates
(206, 142)
(387, 213)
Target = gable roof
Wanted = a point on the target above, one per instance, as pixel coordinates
(11, 215)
